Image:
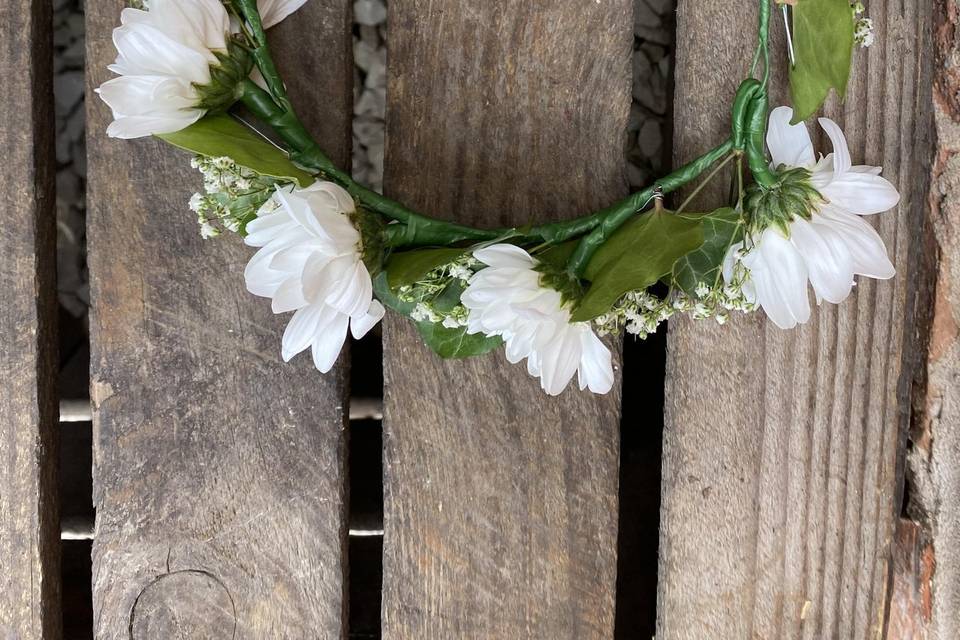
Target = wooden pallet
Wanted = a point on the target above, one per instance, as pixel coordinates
(220, 473)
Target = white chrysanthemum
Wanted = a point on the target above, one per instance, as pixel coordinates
(164, 55)
(507, 299)
(311, 262)
(833, 246)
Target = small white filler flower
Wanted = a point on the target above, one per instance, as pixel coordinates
(164, 60)
(311, 261)
(829, 243)
(507, 299)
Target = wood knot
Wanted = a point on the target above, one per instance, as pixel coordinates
(189, 603)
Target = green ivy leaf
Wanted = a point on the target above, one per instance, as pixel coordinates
(220, 135)
(446, 343)
(823, 48)
(449, 298)
(558, 255)
(244, 208)
(456, 343)
(641, 252)
(407, 267)
(721, 229)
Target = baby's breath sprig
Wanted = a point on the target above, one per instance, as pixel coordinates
(436, 296)
(640, 313)
(232, 195)
(863, 27)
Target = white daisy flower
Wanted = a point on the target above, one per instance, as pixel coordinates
(829, 248)
(507, 299)
(311, 262)
(164, 55)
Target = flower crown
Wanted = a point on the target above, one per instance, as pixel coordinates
(337, 254)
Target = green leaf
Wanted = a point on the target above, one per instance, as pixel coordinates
(446, 343)
(721, 229)
(641, 252)
(243, 208)
(823, 47)
(449, 298)
(456, 343)
(221, 135)
(407, 267)
(557, 255)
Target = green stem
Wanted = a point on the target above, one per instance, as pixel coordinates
(756, 130)
(746, 92)
(612, 218)
(740, 184)
(417, 229)
(261, 54)
(763, 38)
(703, 183)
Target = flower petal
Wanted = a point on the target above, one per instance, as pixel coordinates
(144, 50)
(867, 251)
(340, 199)
(355, 291)
(129, 127)
(596, 363)
(260, 279)
(729, 261)
(202, 25)
(267, 227)
(302, 329)
(789, 144)
(325, 278)
(827, 257)
(147, 95)
(329, 341)
(360, 325)
(288, 296)
(274, 11)
(841, 152)
(861, 193)
(298, 208)
(560, 362)
(779, 276)
(504, 255)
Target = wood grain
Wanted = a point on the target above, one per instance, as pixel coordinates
(219, 470)
(780, 452)
(29, 517)
(933, 463)
(500, 503)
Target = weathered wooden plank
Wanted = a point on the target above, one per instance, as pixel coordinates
(29, 518)
(933, 464)
(500, 503)
(780, 452)
(219, 471)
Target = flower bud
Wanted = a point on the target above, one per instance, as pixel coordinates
(792, 197)
(372, 239)
(560, 280)
(233, 66)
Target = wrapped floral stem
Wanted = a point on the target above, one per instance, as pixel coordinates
(336, 254)
(609, 220)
